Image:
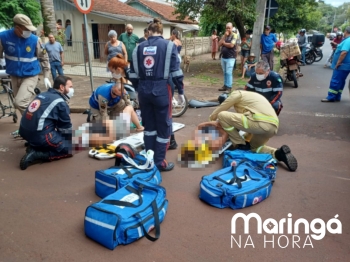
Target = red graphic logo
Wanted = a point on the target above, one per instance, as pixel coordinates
(148, 62)
(33, 106)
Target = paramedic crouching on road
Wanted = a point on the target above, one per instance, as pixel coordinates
(154, 61)
(267, 83)
(46, 124)
(22, 54)
(255, 116)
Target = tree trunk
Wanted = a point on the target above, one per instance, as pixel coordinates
(239, 22)
(49, 20)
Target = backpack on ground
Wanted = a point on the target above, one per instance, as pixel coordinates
(128, 167)
(127, 215)
(109, 180)
(237, 186)
(259, 161)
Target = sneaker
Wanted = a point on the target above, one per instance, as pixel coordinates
(284, 154)
(15, 134)
(223, 88)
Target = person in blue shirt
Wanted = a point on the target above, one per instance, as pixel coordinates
(341, 69)
(302, 42)
(109, 100)
(267, 43)
(55, 51)
(25, 59)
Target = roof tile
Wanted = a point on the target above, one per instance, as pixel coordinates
(165, 10)
(115, 7)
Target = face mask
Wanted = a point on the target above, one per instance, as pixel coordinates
(116, 76)
(26, 34)
(260, 77)
(70, 93)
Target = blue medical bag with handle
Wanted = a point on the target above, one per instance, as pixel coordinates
(109, 180)
(237, 186)
(127, 215)
(260, 161)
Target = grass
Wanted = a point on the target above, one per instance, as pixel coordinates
(206, 78)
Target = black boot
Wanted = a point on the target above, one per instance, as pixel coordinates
(173, 144)
(33, 156)
(284, 154)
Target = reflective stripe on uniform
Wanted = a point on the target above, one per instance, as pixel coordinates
(340, 91)
(177, 73)
(47, 112)
(169, 51)
(277, 89)
(150, 133)
(65, 130)
(250, 86)
(133, 75)
(332, 91)
(258, 89)
(245, 121)
(229, 128)
(22, 59)
(162, 140)
(265, 118)
(135, 62)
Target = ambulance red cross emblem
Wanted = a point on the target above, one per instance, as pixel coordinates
(268, 83)
(34, 106)
(148, 62)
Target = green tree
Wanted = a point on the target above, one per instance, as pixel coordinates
(293, 15)
(218, 12)
(8, 9)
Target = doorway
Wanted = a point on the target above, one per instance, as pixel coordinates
(95, 41)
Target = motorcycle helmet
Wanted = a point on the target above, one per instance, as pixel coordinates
(303, 31)
(124, 149)
(222, 97)
(339, 33)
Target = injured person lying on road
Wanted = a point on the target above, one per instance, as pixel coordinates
(254, 115)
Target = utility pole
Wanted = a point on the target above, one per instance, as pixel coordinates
(258, 26)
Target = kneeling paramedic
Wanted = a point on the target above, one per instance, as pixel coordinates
(46, 124)
(267, 83)
(154, 61)
(255, 116)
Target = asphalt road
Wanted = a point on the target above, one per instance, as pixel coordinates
(42, 208)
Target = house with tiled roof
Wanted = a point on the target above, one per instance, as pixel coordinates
(165, 11)
(105, 15)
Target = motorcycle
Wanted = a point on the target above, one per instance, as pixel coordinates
(313, 54)
(293, 69)
(319, 54)
(178, 109)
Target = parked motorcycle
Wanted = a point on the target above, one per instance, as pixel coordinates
(314, 51)
(313, 54)
(293, 69)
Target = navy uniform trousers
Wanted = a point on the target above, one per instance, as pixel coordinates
(155, 103)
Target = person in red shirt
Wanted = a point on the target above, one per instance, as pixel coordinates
(336, 41)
